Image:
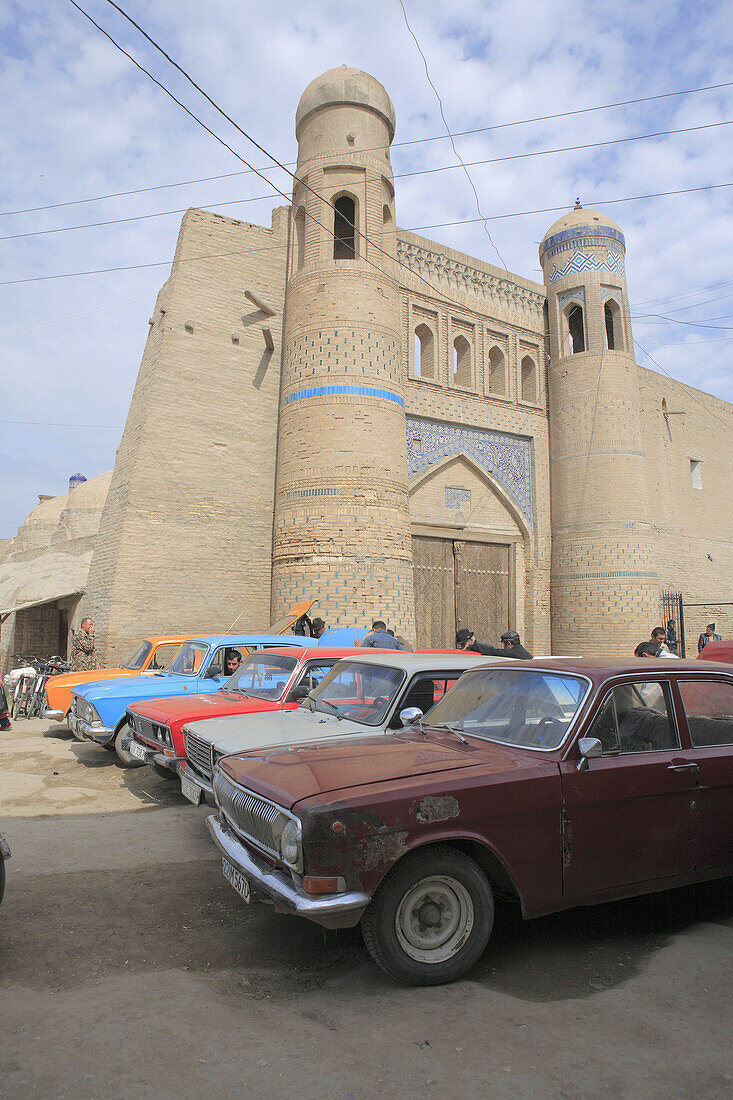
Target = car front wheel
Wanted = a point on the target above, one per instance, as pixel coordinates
(431, 917)
(126, 758)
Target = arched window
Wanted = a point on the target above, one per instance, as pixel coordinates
(576, 330)
(529, 380)
(461, 361)
(299, 238)
(497, 372)
(424, 352)
(344, 221)
(614, 334)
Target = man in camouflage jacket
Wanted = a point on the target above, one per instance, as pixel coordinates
(83, 658)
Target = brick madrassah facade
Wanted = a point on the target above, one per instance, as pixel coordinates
(395, 428)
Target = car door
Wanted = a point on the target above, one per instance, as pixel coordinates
(630, 818)
(707, 705)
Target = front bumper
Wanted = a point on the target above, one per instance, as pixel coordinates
(53, 715)
(84, 730)
(331, 911)
(204, 785)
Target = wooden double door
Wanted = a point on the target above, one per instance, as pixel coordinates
(459, 583)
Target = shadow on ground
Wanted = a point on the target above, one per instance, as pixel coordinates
(63, 930)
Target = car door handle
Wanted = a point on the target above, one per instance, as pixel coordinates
(683, 768)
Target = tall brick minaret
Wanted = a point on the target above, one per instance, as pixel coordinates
(342, 527)
(604, 589)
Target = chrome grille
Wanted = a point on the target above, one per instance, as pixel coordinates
(253, 817)
(149, 729)
(199, 754)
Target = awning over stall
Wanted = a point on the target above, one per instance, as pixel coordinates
(44, 579)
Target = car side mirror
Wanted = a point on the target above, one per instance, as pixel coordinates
(590, 747)
(212, 671)
(410, 715)
(300, 691)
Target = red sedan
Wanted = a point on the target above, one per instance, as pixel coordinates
(269, 679)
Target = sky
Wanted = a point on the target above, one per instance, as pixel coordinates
(82, 122)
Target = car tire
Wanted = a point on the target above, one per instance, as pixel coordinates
(165, 773)
(123, 755)
(454, 898)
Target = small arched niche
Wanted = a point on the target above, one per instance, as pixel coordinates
(299, 238)
(614, 329)
(529, 380)
(497, 372)
(424, 364)
(573, 329)
(388, 228)
(461, 361)
(344, 228)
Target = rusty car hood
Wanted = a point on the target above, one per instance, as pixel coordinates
(287, 776)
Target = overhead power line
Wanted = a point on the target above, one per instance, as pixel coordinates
(395, 145)
(450, 136)
(357, 232)
(423, 171)
(413, 229)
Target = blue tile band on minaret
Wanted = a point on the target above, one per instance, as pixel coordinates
(340, 391)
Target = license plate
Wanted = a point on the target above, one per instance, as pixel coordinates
(190, 791)
(236, 879)
(137, 751)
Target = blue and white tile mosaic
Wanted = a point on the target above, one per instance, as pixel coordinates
(579, 237)
(456, 498)
(588, 261)
(508, 458)
(566, 296)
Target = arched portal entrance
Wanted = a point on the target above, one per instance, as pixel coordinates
(469, 546)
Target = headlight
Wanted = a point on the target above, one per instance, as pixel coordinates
(289, 843)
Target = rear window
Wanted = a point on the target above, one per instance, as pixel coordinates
(709, 709)
(263, 675)
(138, 660)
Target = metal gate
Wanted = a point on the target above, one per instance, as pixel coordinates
(459, 583)
(698, 614)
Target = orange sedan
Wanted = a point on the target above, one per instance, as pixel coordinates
(153, 654)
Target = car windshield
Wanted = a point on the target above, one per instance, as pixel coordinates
(138, 660)
(188, 660)
(263, 675)
(362, 692)
(527, 708)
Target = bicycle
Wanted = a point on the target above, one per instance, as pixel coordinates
(24, 678)
(54, 666)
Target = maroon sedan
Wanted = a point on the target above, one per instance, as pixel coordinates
(552, 782)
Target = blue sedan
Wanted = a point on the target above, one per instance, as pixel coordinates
(98, 709)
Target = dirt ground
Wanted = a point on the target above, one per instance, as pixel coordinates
(129, 968)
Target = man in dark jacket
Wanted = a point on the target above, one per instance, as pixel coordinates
(510, 640)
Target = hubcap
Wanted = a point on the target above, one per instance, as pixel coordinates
(434, 919)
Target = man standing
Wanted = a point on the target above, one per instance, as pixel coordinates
(83, 657)
(379, 638)
(654, 645)
(708, 636)
(510, 641)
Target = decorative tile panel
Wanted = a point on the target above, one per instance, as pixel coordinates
(566, 296)
(340, 391)
(589, 261)
(580, 237)
(456, 498)
(508, 458)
